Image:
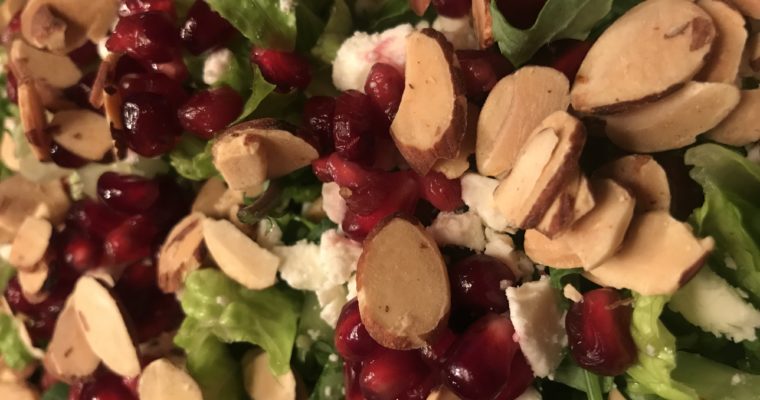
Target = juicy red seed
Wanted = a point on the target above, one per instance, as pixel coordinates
(131, 240)
(82, 252)
(151, 124)
(599, 332)
(391, 374)
(478, 371)
(138, 276)
(64, 158)
(172, 205)
(106, 387)
(443, 193)
(570, 56)
(352, 126)
(93, 217)
(210, 111)
(384, 86)
(149, 36)
(131, 7)
(285, 69)
(204, 28)
(335, 168)
(127, 193)
(477, 285)
(11, 86)
(85, 55)
(163, 314)
(482, 69)
(42, 316)
(438, 351)
(351, 373)
(16, 299)
(12, 29)
(175, 68)
(317, 117)
(80, 92)
(153, 82)
(128, 65)
(452, 8)
(352, 340)
(520, 378)
(521, 14)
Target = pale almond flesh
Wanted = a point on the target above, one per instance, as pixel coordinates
(403, 286)
(215, 200)
(456, 167)
(674, 121)
(33, 119)
(84, 20)
(658, 256)
(261, 383)
(181, 252)
(643, 177)
(241, 159)
(573, 202)
(553, 253)
(68, 356)
(514, 108)
(162, 380)
(647, 53)
(31, 243)
(740, 128)
(8, 153)
(21, 198)
(33, 282)
(723, 62)
(434, 84)
(82, 132)
(482, 22)
(37, 64)
(750, 8)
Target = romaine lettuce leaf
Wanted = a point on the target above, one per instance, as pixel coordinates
(378, 15)
(191, 158)
(715, 381)
(570, 374)
(266, 23)
(59, 391)
(337, 29)
(330, 383)
(13, 350)
(260, 91)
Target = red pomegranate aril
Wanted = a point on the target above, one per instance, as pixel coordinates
(153, 82)
(80, 92)
(151, 124)
(204, 28)
(478, 283)
(85, 55)
(148, 36)
(106, 386)
(127, 193)
(131, 240)
(175, 68)
(82, 252)
(520, 378)
(353, 125)
(570, 56)
(391, 374)
(351, 373)
(131, 7)
(285, 69)
(12, 30)
(162, 314)
(479, 364)
(481, 70)
(599, 332)
(384, 86)
(443, 193)
(93, 217)
(438, 351)
(521, 14)
(352, 341)
(11, 86)
(317, 117)
(172, 205)
(128, 65)
(210, 111)
(64, 158)
(452, 8)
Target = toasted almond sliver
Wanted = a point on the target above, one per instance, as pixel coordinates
(241, 159)
(84, 20)
(68, 356)
(643, 177)
(740, 127)
(162, 380)
(82, 132)
(726, 56)
(32, 115)
(481, 15)
(37, 64)
(750, 8)
(31, 243)
(181, 252)
(32, 283)
(554, 253)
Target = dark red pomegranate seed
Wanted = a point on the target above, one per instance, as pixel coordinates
(438, 351)
(481, 70)
(384, 86)
(521, 14)
(210, 111)
(364, 190)
(85, 55)
(11, 86)
(317, 117)
(352, 340)
(148, 36)
(93, 217)
(285, 69)
(16, 299)
(478, 283)
(478, 371)
(443, 193)
(392, 374)
(172, 205)
(127, 193)
(106, 386)
(82, 252)
(351, 373)
(153, 82)
(151, 124)
(80, 93)
(128, 65)
(599, 332)
(64, 158)
(175, 68)
(42, 316)
(353, 125)
(131, 240)
(12, 30)
(204, 28)
(520, 378)
(569, 57)
(452, 8)
(131, 7)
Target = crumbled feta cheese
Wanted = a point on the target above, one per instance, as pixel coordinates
(300, 266)
(268, 234)
(736, 379)
(704, 302)
(477, 193)
(572, 294)
(464, 230)
(333, 203)
(539, 324)
(338, 256)
(458, 31)
(5, 251)
(216, 64)
(361, 51)
(287, 6)
(331, 301)
(501, 247)
(530, 394)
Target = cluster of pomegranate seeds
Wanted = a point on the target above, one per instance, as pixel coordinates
(204, 29)
(481, 70)
(150, 36)
(153, 82)
(452, 8)
(352, 126)
(285, 69)
(210, 110)
(521, 14)
(127, 193)
(478, 285)
(599, 332)
(151, 125)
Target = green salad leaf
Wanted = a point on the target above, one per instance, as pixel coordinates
(239, 72)
(338, 28)
(260, 90)
(374, 16)
(330, 383)
(13, 351)
(267, 318)
(266, 23)
(570, 374)
(6, 273)
(59, 391)
(192, 159)
(715, 381)
(559, 19)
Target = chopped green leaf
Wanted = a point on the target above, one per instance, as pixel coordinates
(59, 391)
(570, 374)
(260, 90)
(13, 350)
(715, 381)
(192, 159)
(330, 383)
(374, 16)
(6, 273)
(266, 23)
(338, 28)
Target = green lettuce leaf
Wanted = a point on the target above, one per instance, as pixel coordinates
(266, 23)
(330, 383)
(260, 91)
(314, 342)
(338, 28)
(191, 158)
(374, 16)
(656, 353)
(13, 351)
(570, 374)
(59, 391)
(559, 19)
(266, 318)
(715, 381)
(6, 273)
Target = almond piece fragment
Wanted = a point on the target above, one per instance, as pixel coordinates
(181, 252)
(37, 64)
(82, 132)
(104, 327)
(483, 23)
(83, 20)
(554, 253)
(69, 357)
(659, 255)
(643, 177)
(740, 127)
(17, 391)
(573, 202)
(647, 53)
(456, 167)
(21, 198)
(261, 383)
(31, 243)
(32, 283)
(33, 119)
(676, 120)
(514, 108)
(238, 256)
(434, 85)
(241, 159)
(723, 62)
(750, 8)
(216, 200)
(162, 380)
(403, 286)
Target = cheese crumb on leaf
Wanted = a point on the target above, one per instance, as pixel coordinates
(463, 230)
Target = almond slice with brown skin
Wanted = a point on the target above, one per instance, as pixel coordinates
(432, 116)
(83, 20)
(82, 132)
(261, 383)
(456, 167)
(33, 119)
(241, 159)
(69, 357)
(38, 65)
(514, 108)
(573, 202)
(741, 127)
(104, 327)
(646, 54)
(403, 286)
(162, 380)
(643, 177)
(750, 8)
(726, 56)
(181, 253)
(659, 255)
(676, 120)
(33, 282)
(21, 198)
(31, 243)
(48, 31)
(483, 23)
(554, 253)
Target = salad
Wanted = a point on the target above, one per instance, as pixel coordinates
(380, 199)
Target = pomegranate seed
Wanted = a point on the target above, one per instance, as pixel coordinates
(162, 314)
(106, 386)
(520, 378)
(481, 70)
(478, 371)
(443, 193)
(80, 92)
(174, 68)
(149, 36)
(94, 218)
(363, 190)
(153, 82)
(521, 14)
(438, 351)
(172, 205)
(42, 316)
(384, 86)
(131, 240)
(131, 7)
(128, 65)
(392, 374)
(151, 124)
(352, 126)
(11, 86)
(351, 373)
(317, 117)
(210, 111)
(352, 340)
(127, 193)
(285, 69)
(477, 286)
(452, 8)
(12, 30)
(86, 55)
(599, 332)
(570, 56)
(64, 158)
(204, 28)
(82, 252)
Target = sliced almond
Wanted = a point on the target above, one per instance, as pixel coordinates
(574, 201)
(598, 235)
(241, 159)
(512, 111)
(21, 198)
(8, 152)
(726, 56)
(33, 119)
(83, 20)
(456, 167)
(676, 120)
(48, 31)
(434, 85)
(162, 380)
(649, 52)
(82, 132)
(68, 356)
(750, 8)
(483, 23)
(238, 256)
(542, 169)
(104, 78)
(38, 65)
(18, 391)
(658, 256)
(397, 311)
(740, 128)
(643, 177)
(33, 282)
(215, 200)
(104, 327)
(261, 383)
(554, 253)
(181, 252)
(31, 243)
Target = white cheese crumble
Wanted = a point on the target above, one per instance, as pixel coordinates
(287, 6)
(458, 31)
(331, 301)
(215, 65)
(333, 203)
(539, 324)
(572, 294)
(477, 193)
(463, 230)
